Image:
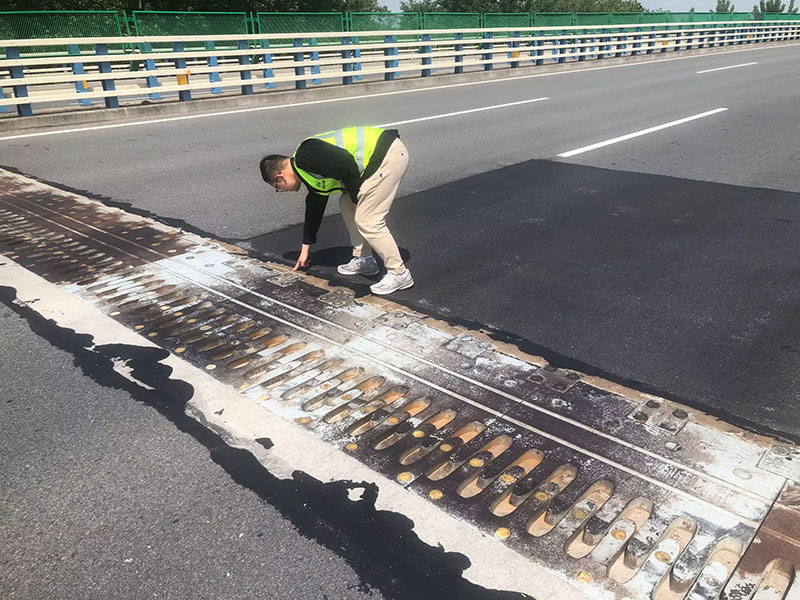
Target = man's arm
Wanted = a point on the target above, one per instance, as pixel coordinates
(315, 210)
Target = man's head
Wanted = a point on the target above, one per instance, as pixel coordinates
(277, 171)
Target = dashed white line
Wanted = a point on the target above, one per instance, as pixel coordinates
(729, 67)
(380, 94)
(636, 134)
(463, 112)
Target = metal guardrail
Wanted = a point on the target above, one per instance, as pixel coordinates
(193, 63)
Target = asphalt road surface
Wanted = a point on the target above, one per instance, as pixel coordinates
(666, 261)
(678, 282)
(109, 490)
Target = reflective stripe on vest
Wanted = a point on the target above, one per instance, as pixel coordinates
(358, 141)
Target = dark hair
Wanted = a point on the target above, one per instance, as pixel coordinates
(270, 167)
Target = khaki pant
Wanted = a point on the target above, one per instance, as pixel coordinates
(366, 221)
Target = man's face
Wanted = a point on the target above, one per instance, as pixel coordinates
(287, 180)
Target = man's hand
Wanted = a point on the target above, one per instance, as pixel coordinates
(303, 261)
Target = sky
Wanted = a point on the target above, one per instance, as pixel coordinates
(673, 5)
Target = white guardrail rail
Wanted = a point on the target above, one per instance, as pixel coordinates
(133, 69)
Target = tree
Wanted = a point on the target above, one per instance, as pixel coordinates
(724, 6)
(419, 6)
(774, 6)
(511, 6)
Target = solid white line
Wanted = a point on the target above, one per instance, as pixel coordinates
(635, 134)
(730, 67)
(463, 112)
(393, 93)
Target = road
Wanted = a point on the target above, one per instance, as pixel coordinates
(664, 261)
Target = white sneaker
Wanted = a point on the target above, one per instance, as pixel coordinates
(393, 283)
(359, 266)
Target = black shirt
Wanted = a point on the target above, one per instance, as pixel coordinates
(328, 161)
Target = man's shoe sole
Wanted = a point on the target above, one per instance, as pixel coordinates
(402, 287)
(364, 273)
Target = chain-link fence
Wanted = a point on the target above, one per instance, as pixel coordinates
(442, 20)
(153, 22)
(25, 25)
(506, 20)
(298, 22)
(655, 17)
(592, 18)
(622, 18)
(384, 21)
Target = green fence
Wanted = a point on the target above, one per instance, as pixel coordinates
(626, 18)
(25, 25)
(780, 17)
(553, 20)
(384, 21)
(442, 20)
(299, 22)
(682, 17)
(655, 17)
(593, 18)
(156, 22)
(49, 24)
(506, 20)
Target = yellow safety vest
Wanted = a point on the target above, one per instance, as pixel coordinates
(358, 141)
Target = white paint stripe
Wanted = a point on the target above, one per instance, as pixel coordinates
(463, 112)
(380, 94)
(730, 67)
(636, 134)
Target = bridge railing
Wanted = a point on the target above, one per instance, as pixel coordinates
(158, 67)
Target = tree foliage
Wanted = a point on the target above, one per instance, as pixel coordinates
(200, 5)
(724, 6)
(334, 5)
(774, 6)
(521, 6)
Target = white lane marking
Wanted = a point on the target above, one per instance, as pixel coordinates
(379, 94)
(730, 67)
(635, 134)
(463, 112)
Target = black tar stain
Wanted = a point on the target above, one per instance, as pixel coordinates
(380, 546)
(265, 442)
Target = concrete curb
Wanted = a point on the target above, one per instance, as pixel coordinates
(76, 116)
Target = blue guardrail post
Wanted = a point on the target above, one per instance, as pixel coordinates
(390, 75)
(77, 69)
(426, 50)
(150, 65)
(108, 84)
(180, 64)
(459, 57)
(246, 75)
(20, 91)
(268, 72)
(300, 71)
(213, 76)
(347, 67)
